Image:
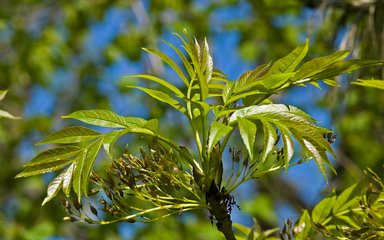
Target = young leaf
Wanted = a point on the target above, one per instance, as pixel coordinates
(71, 135)
(217, 131)
(249, 77)
(77, 182)
(185, 61)
(54, 154)
(248, 134)
(270, 138)
(346, 66)
(290, 62)
(67, 179)
(323, 209)
(290, 121)
(6, 114)
(288, 145)
(104, 118)
(317, 65)
(109, 139)
(3, 93)
(171, 63)
(304, 227)
(42, 168)
(92, 152)
(348, 198)
(162, 82)
(370, 83)
(163, 97)
(227, 91)
(54, 187)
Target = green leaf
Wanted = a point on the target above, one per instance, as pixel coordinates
(270, 138)
(269, 109)
(77, 183)
(92, 152)
(290, 62)
(185, 61)
(317, 65)
(303, 227)
(227, 91)
(67, 179)
(206, 61)
(248, 134)
(43, 167)
(152, 125)
(3, 93)
(162, 97)
(53, 188)
(6, 114)
(199, 62)
(319, 155)
(105, 118)
(323, 209)
(71, 135)
(244, 95)
(370, 83)
(289, 120)
(272, 81)
(109, 139)
(248, 79)
(348, 198)
(346, 66)
(171, 63)
(162, 82)
(288, 145)
(54, 154)
(217, 131)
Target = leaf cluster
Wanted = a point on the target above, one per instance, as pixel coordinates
(355, 213)
(216, 109)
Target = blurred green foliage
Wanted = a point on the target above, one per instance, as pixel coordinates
(39, 39)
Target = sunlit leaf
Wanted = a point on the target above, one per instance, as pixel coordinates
(44, 167)
(171, 63)
(247, 79)
(54, 154)
(303, 227)
(370, 83)
(248, 134)
(217, 131)
(163, 97)
(105, 118)
(317, 65)
(6, 114)
(3, 93)
(290, 121)
(290, 62)
(346, 66)
(323, 209)
(288, 145)
(270, 137)
(185, 61)
(71, 135)
(162, 82)
(54, 187)
(348, 198)
(77, 179)
(109, 139)
(92, 152)
(67, 179)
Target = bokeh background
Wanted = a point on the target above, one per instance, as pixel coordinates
(60, 56)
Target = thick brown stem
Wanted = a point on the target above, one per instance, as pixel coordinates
(219, 211)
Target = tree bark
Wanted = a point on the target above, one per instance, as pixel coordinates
(220, 211)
